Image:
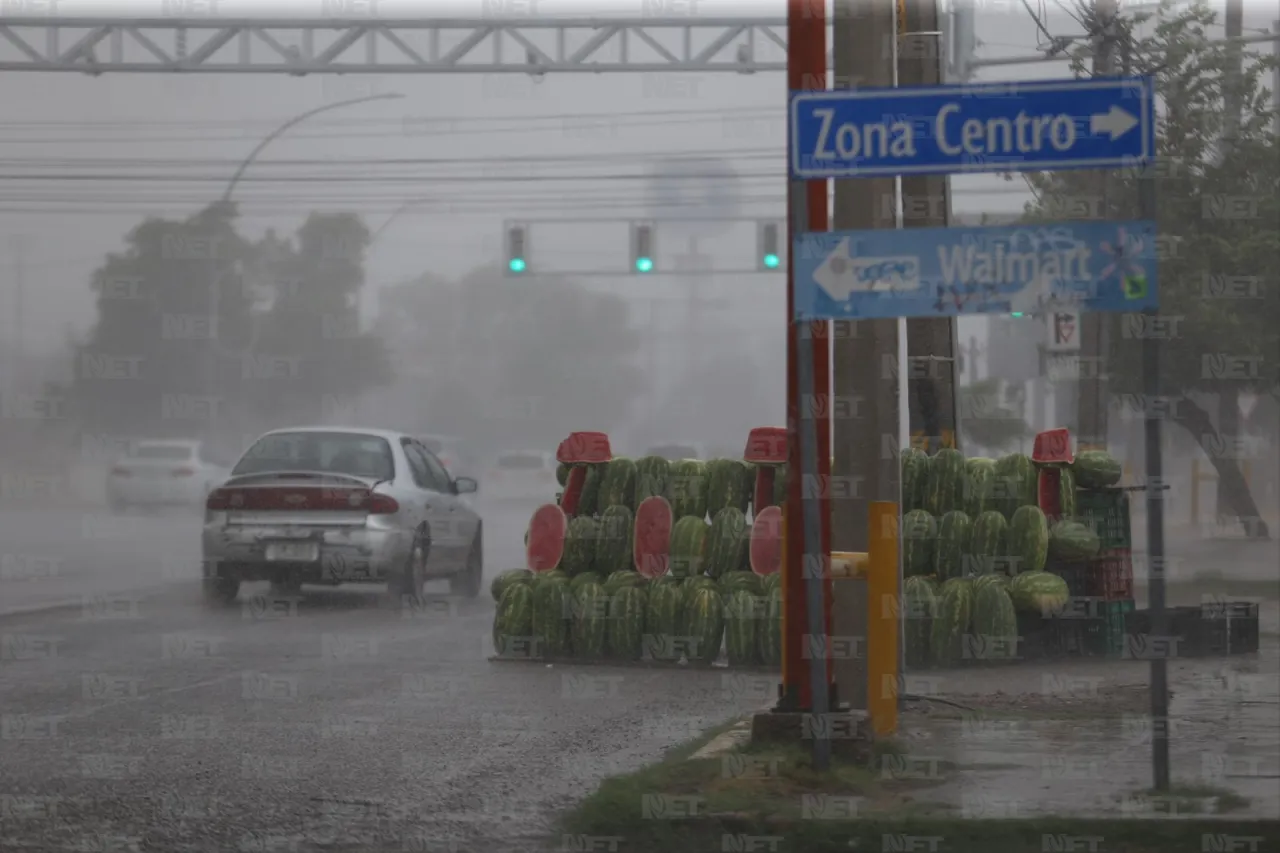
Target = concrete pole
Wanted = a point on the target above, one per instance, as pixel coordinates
(926, 202)
(865, 351)
(1091, 397)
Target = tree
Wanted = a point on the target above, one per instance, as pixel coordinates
(987, 421)
(508, 361)
(309, 356)
(1218, 218)
(150, 362)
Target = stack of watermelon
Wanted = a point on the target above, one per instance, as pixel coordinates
(975, 548)
(595, 605)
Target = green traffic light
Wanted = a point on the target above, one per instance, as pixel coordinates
(1016, 314)
(771, 261)
(644, 264)
(516, 265)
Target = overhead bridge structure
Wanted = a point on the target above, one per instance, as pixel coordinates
(534, 46)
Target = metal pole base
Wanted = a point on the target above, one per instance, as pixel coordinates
(789, 700)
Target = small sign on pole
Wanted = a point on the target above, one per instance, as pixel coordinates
(1064, 330)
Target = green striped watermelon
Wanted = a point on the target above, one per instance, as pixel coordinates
(727, 485)
(919, 541)
(625, 632)
(995, 623)
(585, 578)
(590, 621)
(1015, 483)
(781, 481)
(915, 478)
(979, 486)
(662, 619)
(562, 474)
(946, 636)
(1096, 469)
(727, 541)
(1066, 493)
(687, 489)
(651, 479)
(734, 581)
(613, 541)
(920, 605)
(1039, 592)
(1028, 540)
(618, 580)
(513, 619)
(580, 545)
(589, 501)
(1073, 542)
(501, 582)
(945, 484)
(689, 546)
(989, 545)
(769, 633)
(550, 625)
(704, 621)
(955, 532)
(618, 486)
(742, 618)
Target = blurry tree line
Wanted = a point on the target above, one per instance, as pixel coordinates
(1217, 185)
(204, 332)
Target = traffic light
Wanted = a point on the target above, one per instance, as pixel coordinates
(769, 253)
(642, 247)
(517, 249)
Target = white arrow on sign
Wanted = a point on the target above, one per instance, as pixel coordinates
(842, 275)
(1116, 122)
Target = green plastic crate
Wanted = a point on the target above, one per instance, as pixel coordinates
(1107, 512)
(1105, 635)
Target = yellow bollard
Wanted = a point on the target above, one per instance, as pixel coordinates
(882, 617)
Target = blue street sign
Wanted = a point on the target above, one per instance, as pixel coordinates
(989, 127)
(938, 272)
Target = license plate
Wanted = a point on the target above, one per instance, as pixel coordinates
(293, 552)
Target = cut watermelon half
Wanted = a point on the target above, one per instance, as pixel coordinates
(766, 541)
(1053, 447)
(547, 530)
(651, 551)
(589, 447)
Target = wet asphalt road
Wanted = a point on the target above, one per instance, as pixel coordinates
(334, 722)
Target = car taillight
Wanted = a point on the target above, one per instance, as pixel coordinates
(184, 472)
(285, 499)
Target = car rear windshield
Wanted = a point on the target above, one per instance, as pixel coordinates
(675, 451)
(174, 452)
(327, 452)
(522, 461)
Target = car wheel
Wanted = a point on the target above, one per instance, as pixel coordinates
(469, 581)
(220, 591)
(413, 577)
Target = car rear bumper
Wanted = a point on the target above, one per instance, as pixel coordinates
(155, 491)
(344, 554)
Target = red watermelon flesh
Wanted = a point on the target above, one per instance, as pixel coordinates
(589, 447)
(547, 529)
(1048, 498)
(573, 490)
(766, 541)
(652, 548)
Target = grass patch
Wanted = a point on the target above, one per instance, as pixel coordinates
(1197, 798)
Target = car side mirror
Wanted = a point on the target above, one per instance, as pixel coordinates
(465, 486)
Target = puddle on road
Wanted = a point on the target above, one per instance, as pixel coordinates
(1224, 730)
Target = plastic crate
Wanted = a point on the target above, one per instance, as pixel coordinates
(1207, 631)
(1109, 576)
(1106, 511)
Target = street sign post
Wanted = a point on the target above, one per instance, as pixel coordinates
(994, 127)
(1097, 123)
(943, 272)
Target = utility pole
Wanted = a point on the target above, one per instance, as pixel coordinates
(926, 202)
(1091, 394)
(865, 383)
(18, 245)
(1228, 391)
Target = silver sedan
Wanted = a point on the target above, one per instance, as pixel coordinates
(332, 505)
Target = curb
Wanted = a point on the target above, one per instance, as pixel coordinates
(48, 607)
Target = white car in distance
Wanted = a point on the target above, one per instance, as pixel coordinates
(523, 475)
(164, 473)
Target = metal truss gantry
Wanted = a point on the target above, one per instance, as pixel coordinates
(295, 46)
